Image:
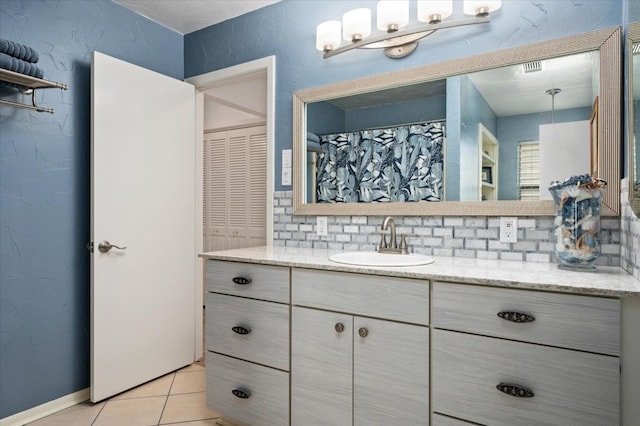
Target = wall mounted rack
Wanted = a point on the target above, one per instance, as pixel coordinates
(32, 84)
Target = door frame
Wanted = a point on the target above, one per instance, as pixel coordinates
(205, 81)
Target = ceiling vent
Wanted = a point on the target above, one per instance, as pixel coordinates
(534, 66)
(636, 48)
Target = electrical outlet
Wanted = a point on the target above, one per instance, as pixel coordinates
(508, 229)
(321, 226)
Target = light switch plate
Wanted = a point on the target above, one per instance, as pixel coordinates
(508, 229)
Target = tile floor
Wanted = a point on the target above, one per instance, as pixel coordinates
(175, 399)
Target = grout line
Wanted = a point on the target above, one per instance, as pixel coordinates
(166, 400)
(99, 412)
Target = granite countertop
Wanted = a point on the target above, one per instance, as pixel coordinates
(607, 281)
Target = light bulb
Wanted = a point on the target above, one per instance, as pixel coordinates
(328, 36)
(393, 15)
(481, 7)
(356, 24)
(434, 11)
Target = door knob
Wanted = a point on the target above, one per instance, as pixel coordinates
(105, 246)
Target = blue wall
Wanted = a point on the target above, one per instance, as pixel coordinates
(44, 190)
(324, 118)
(413, 111)
(44, 159)
(287, 30)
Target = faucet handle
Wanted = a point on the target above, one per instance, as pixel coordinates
(404, 249)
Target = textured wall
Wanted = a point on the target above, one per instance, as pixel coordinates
(44, 190)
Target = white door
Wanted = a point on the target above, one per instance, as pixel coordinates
(142, 198)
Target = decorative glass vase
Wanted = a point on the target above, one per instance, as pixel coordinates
(577, 221)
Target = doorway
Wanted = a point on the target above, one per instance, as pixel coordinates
(219, 82)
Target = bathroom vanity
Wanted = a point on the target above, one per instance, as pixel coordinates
(293, 338)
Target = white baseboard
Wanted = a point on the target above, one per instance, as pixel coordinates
(46, 409)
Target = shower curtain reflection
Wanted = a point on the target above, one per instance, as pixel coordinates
(402, 163)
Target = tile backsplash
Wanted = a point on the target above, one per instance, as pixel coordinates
(475, 236)
(630, 232)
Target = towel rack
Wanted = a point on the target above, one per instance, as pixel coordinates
(32, 84)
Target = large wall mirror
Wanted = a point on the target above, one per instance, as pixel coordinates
(633, 52)
(482, 135)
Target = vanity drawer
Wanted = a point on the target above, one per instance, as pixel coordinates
(391, 298)
(569, 387)
(578, 322)
(267, 390)
(266, 282)
(268, 324)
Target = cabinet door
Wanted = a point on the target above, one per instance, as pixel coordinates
(321, 373)
(390, 373)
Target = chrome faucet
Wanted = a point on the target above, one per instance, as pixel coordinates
(391, 246)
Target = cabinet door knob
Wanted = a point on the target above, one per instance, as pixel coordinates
(515, 390)
(240, 393)
(339, 327)
(514, 316)
(241, 280)
(241, 330)
(363, 332)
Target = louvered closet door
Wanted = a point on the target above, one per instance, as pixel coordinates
(239, 173)
(215, 191)
(257, 202)
(235, 188)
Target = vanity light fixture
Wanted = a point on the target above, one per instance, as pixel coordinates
(393, 17)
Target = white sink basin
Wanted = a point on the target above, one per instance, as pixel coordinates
(369, 258)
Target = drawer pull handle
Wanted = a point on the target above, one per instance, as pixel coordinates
(516, 316)
(363, 332)
(241, 393)
(241, 280)
(339, 327)
(515, 390)
(241, 330)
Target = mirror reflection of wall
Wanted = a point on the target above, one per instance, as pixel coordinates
(512, 105)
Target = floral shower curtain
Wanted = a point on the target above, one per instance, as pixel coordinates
(402, 163)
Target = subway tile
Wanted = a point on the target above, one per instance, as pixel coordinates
(465, 253)
(475, 222)
(475, 244)
(443, 232)
(511, 256)
(535, 235)
(453, 221)
(464, 232)
(453, 242)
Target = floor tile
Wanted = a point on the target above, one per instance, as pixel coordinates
(196, 366)
(82, 414)
(210, 422)
(188, 382)
(157, 387)
(185, 407)
(131, 412)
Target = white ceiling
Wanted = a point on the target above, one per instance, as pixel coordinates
(186, 16)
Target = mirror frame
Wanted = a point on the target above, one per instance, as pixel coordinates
(606, 41)
(633, 36)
